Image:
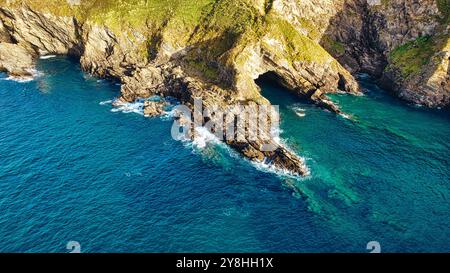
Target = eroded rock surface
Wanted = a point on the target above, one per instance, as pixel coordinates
(215, 50)
(404, 43)
(15, 60)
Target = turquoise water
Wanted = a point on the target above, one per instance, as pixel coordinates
(71, 169)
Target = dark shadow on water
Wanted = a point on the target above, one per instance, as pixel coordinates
(273, 90)
(372, 88)
(65, 64)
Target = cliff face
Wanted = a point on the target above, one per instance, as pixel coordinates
(415, 39)
(26, 34)
(404, 43)
(227, 42)
(215, 49)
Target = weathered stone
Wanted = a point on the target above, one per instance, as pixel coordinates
(43, 33)
(369, 31)
(153, 108)
(143, 83)
(15, 60)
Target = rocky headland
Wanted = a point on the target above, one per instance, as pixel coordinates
(214, 50)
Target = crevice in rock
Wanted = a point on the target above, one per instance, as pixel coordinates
(314, 96)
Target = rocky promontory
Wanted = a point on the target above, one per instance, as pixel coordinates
(214, 50)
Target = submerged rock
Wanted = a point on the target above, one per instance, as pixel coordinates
(280, 158)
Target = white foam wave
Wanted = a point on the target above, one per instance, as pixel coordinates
(266, 167)
(203, 137)
(169, 114)
(346, 116)
(19, 79)
(45, 57)
(23, 79)
(136, 107)
(275, 133)
(300, 112)
(106, 102)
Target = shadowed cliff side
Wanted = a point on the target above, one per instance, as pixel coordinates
(403, 43)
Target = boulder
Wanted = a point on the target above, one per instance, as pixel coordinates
(153, 108)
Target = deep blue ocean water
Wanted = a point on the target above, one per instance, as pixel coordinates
(73, 170)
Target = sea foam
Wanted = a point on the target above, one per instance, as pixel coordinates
(300, 112)
(19, 79)
(106, 102)
(136, 107)
(267, 167)
(203, 137)
(46, 57)
(23, 79)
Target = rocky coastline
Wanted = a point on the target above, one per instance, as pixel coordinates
(310, 47)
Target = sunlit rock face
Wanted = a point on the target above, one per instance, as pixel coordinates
(214, 50)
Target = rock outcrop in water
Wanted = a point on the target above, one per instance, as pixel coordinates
(215, 49)
(15, 60)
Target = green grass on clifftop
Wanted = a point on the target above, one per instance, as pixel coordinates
(410, 57)
(444, 8)
(299, 47)
(214, 33)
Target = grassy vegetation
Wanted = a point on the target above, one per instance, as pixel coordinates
(444, 8)
(215, 30)
(410, 57)
(211, 73)
(299, 47)
(307, 24)
(57, 7)
(219, 32)
(385, 3)
(334, 47)
(118, 14)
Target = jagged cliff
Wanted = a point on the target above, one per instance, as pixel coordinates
(403, 43)
(215, 49)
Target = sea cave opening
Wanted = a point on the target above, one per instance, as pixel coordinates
(274, 89)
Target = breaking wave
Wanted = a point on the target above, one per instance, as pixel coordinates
(23, 79)
(203, 137)
(267, 167)
(136, 107)
(300, 112)
(46, 57)
(106, 102)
